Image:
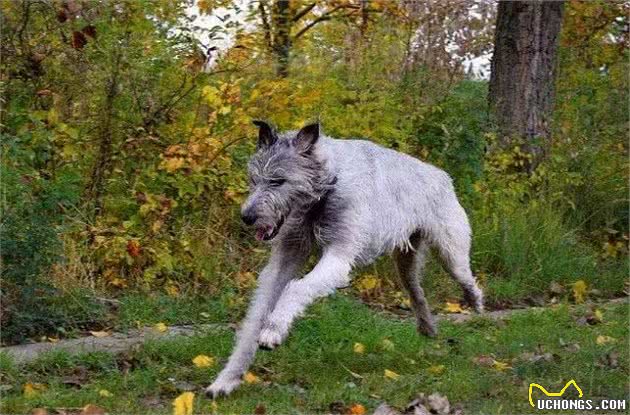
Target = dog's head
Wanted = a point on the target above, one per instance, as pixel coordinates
(285, 176)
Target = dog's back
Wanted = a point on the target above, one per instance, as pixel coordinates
(389, 195)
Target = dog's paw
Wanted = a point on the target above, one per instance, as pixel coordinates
(222, 387)
(269, 338)
(427, 329)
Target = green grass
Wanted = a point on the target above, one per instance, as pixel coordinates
(313, 369)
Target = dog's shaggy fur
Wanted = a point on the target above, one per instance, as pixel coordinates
(354, 201)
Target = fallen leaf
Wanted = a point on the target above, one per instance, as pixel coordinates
(359, 348)
(500, 366)
(436, 369)
(438, 404)
(451, 307)
(250, 378)
(33, 389)
(203, 361)
(387, 345)
(90, 409)
(104, 393)
(260, 409)
(483, 360)
(610, 361)
(390, 374)
(183, 404)
(173, 164)
(367, 282)
(39, 411)
(160, 327)
(133, 248)
(598, 315)
(579, 291)
(100, 333)
(601, 340)
(356, 409)
(556, 288)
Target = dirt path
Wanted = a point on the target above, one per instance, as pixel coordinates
(119, 342)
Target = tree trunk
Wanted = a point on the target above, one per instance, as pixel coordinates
(523, 67)
(282, 37)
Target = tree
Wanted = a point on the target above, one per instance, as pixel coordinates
(285, 21)
(521, 92)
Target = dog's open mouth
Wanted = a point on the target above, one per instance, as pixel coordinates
(268, 232)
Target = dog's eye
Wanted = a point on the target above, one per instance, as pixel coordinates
(277, 182)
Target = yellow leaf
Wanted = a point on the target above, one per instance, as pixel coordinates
(500, 366)
(183, 404)
(599, 316)
(579, 291)
(356, 409)
(203, 361)
(437, 369)
(601, 340)
(450, 307)
(33, 389)
(99, 333)
(172, 290)
(250, 378)
(367, 282)
(390, 374)
(172, 164)
(105, 393)
(359, 348)
(160, 327)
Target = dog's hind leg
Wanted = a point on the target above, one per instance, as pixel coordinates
(409, 264)
(454, 247)
(331, 272)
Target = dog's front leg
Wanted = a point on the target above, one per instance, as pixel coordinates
(330, 273)
(282, 267)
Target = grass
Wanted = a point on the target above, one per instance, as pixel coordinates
(315, 367)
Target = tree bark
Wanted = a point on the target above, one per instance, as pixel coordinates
(521, 94)
(282, 36)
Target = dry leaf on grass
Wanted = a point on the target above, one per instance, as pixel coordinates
(203, 361)
(451, 307)
(358, 348)
(579, 291)
(250, 378)
(601, 340)
(160, 327)
(183, 404)
(33, 389)
(104, 393)
(390, 374)
(356, 409)
(436, 369)
(100, 333)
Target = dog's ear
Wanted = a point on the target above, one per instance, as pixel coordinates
(307, 137)
(266, 134)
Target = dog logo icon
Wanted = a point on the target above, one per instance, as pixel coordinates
(553, 394)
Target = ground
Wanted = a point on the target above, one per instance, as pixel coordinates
(484, 365)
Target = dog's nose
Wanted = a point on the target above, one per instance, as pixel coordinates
(248, 217)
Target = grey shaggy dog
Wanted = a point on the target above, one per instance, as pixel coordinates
(352, 201)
